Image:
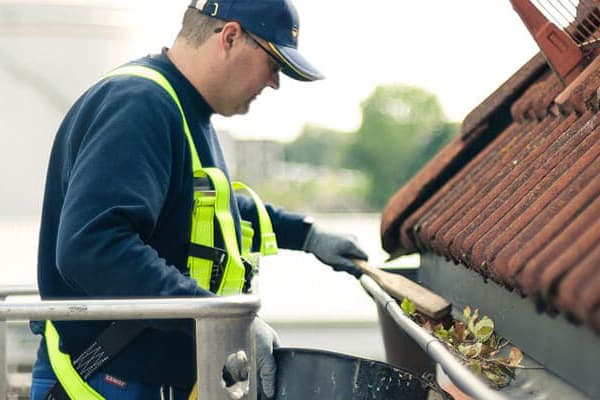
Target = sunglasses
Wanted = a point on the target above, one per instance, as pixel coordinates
(274, 61)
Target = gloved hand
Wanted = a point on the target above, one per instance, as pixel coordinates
(237, 365)
(266, 341)
(334, 249)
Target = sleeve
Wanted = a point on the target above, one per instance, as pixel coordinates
(114, 195)
(290, 228)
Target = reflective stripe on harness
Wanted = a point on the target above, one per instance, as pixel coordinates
(74, 386)
(234, 275)
(268, 242)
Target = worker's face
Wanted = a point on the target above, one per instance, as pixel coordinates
(250, 69)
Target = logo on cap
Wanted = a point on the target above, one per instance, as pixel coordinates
(295, 32)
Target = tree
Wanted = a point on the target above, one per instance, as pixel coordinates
(402, 127)
(317, 146)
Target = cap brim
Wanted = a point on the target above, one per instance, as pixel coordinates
(294, 65)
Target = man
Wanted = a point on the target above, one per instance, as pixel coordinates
(122, 193)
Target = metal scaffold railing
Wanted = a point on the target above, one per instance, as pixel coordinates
(225, 323)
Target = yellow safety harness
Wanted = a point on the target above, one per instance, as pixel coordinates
(224, 271)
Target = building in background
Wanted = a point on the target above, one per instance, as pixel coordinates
(256, 160)
(50, 51)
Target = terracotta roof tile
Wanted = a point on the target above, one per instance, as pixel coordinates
(520, 202)
(478, 129)
(545, 199)
(525, 185)
(529, 279)
(578, 290)
(434, 206)
(549, 220)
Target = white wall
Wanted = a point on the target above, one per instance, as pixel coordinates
(49, 53)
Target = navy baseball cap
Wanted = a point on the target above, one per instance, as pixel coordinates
(275, 21)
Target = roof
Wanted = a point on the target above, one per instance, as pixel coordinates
(516, 196)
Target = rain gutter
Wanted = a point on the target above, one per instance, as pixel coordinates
(460, 375)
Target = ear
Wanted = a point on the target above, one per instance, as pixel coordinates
(230, 34)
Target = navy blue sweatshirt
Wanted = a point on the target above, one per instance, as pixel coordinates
(117, 212)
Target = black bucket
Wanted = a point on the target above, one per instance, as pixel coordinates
(305, 374)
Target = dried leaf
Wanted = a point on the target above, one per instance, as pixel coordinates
(493, 342)
(475, 366)
(515, 357)
(470, 350)
(459, 331)
(427, 326)
(486, 350)
(498, 379)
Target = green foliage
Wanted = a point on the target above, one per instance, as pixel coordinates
(475, 343)
(316, 180)
(323, 191)
(317, 146)
(402, 127)
(408, 307)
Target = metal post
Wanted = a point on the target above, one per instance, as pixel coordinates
(3, 358)
(5, 291)
(217, 338)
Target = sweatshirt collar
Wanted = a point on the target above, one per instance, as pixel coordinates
(188, 91)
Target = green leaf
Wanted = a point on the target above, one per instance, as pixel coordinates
(471, 322)
(483, 329)
(467, 313)
(440, 332)
(408, 307)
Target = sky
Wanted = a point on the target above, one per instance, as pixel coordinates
(459, 50)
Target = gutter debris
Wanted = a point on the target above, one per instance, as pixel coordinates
(474, 342)
(460, 375)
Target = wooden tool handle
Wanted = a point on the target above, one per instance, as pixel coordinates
(399, 287)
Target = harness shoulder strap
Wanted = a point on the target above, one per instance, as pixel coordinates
(268, 241)
(153, 75)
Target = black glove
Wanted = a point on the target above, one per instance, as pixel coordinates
(335, 250)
